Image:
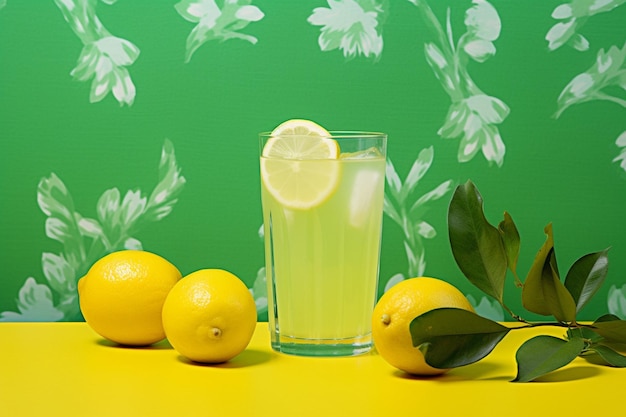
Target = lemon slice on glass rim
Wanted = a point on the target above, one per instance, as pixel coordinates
(298, 164)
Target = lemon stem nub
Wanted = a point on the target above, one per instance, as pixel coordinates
(385, 319)
(216, 332)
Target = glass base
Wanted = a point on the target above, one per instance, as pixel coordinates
(322, 347)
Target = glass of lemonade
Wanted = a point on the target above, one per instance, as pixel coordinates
(322, 196)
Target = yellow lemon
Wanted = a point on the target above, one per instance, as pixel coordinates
(300, 127)
(299, 164)
(209, 316)
(122, 295)
(398, 307)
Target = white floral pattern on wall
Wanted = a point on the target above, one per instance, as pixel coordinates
(349, 28)
(353, 26)
(407, 209)
(600, 82)
(213, 23)
(621, 143)
(104, 57)
(617, 300)
(572, 17)
(85, 239)
(487, 307)
(473, 116)
(605, 76)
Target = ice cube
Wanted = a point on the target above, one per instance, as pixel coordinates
(366, 183)
(372, 152)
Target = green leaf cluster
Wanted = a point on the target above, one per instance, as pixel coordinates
(485, 254)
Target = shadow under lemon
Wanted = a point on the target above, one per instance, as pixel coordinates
(249, 357)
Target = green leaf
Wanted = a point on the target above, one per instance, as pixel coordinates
(610, 356)
(543, 292)
(607, 317)
(561, 303)
(611, 330)
(476, 245)
(603, 332)
(585, 333)
(586, 276)
(533, 298)
(511, 240)
(543, 354)
(452, 337)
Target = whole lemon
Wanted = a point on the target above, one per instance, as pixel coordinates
(122, 295)
(398, 307)
(209, 316)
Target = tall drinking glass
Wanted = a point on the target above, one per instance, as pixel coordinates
(323, 223)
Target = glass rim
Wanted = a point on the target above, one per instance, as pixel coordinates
(337, 134)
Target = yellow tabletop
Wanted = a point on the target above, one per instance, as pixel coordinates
(65, 369)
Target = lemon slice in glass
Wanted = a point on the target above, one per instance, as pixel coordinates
(299, 164)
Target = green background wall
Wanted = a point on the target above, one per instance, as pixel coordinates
(555, 72)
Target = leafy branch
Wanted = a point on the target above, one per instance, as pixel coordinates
(451, 337)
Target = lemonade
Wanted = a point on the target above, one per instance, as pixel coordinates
(322, 250)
